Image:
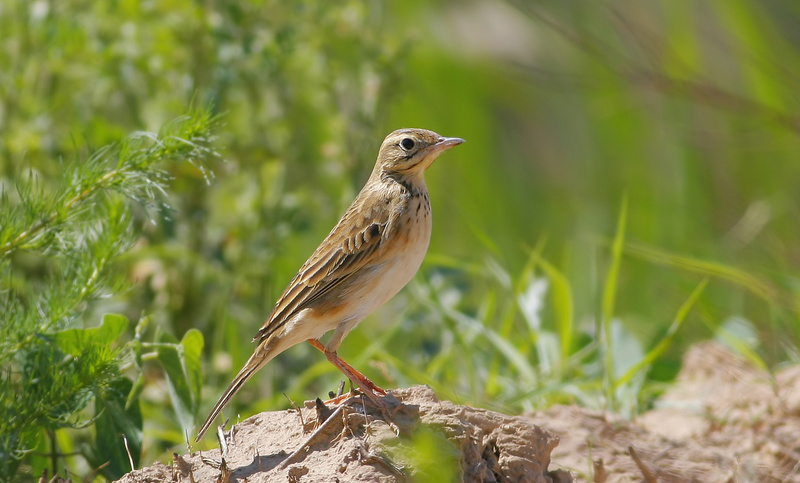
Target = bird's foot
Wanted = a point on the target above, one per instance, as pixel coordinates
(367, 387)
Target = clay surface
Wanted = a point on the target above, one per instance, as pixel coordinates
(724, 420)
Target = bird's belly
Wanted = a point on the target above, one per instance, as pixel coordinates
(402, 261)
(394, 275)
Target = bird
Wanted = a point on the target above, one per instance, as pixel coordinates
(373, 251)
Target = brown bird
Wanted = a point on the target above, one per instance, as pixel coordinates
(371, 254)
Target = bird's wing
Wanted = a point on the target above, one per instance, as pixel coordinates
(339, 256)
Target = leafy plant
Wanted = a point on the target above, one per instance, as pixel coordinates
(60, 244)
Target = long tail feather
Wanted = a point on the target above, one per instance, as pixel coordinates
(260, 357)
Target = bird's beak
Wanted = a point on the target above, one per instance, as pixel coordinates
(447, 143)
(443, 144)
(432, 151)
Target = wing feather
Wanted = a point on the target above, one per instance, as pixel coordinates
(335, 261)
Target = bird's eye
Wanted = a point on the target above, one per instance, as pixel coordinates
(407, 144)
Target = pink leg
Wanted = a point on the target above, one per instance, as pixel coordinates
(368, 387)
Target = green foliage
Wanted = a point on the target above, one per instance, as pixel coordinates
(117, 446)
(685, 110)
(58, 248)
(428, 456)
(182, 364)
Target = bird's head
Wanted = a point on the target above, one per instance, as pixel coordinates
(411, 151)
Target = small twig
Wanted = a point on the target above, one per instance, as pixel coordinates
(224, 473)
(223, 443)
(211, 462)
(340, 390)
(345, 426)
(180, 466)
(648, 475)
(299, 412)
(305, 446)
(257, 458)
(599, 471)
(128, 450)
(221, 465)
(91, 475)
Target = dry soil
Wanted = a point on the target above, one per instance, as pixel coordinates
(724, 420)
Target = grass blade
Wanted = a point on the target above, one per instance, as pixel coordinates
(563, 306)
(665, 342)
(609, 297)
(738, 276)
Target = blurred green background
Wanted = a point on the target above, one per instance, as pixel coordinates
(673, 120)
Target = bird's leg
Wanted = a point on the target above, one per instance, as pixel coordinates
(368, 387)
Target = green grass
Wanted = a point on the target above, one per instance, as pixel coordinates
(541, 285)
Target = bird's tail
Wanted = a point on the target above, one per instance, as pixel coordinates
(260, 357)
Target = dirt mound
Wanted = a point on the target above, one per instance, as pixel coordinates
(724, 420)
(437, 439)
